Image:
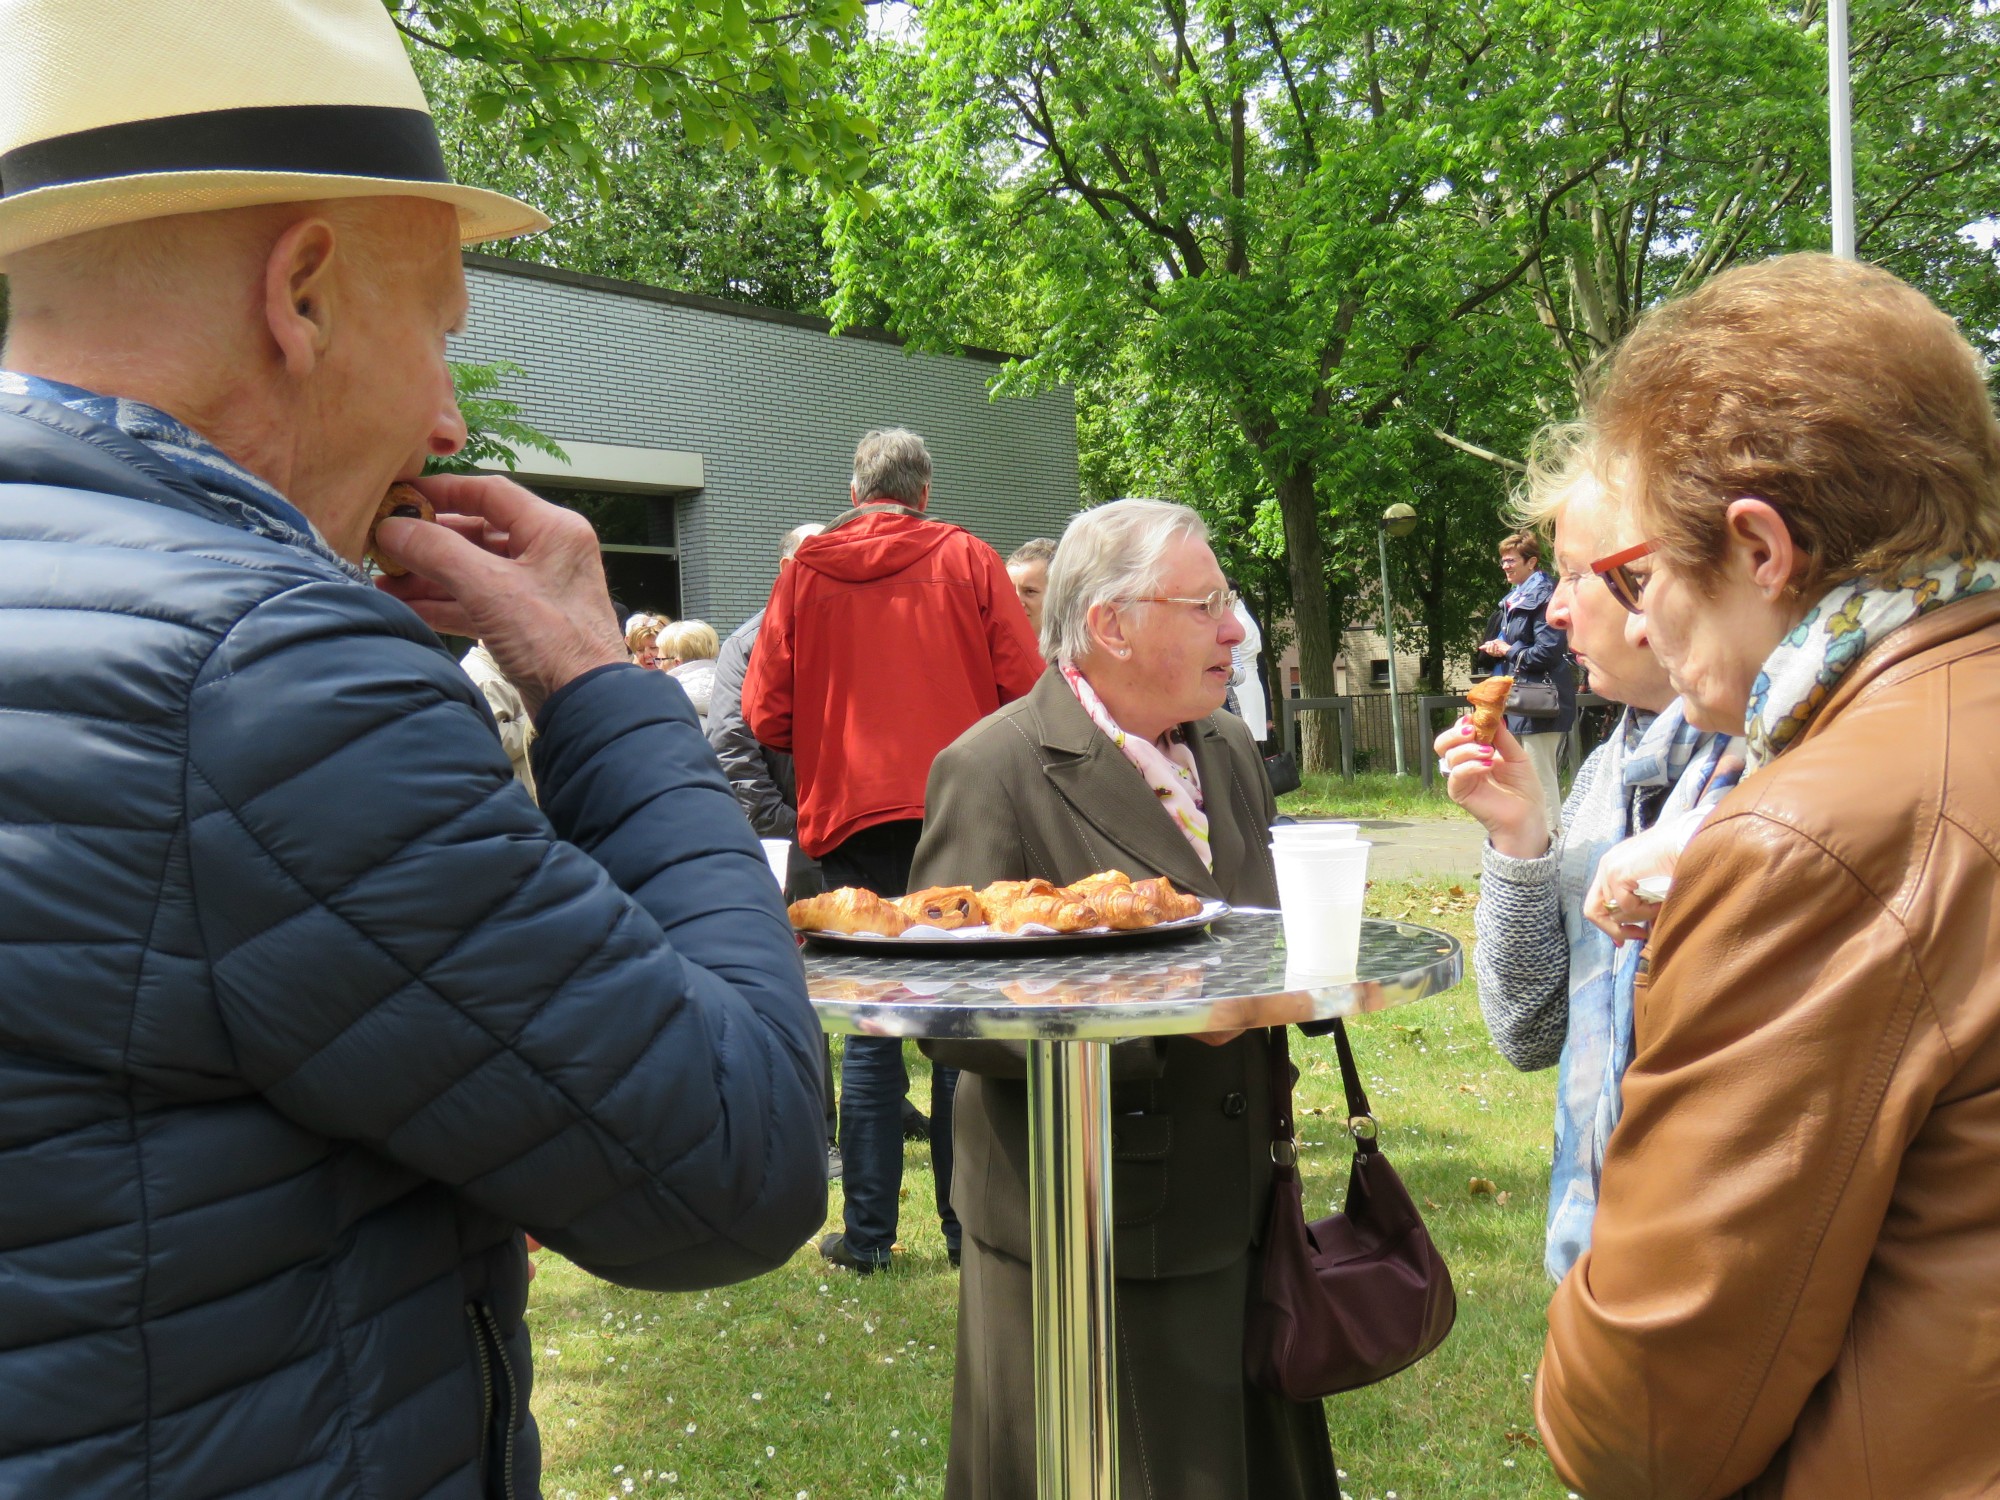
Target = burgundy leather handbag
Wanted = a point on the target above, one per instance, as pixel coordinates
(1350, 1299)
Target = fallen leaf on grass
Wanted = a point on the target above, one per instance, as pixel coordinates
(1501, 1198)
(1433, 1205)
(1479, 1187)
(1518, 1439)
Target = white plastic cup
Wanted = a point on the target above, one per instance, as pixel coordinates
(1320, 888)
(778, 854)
(1314, 833)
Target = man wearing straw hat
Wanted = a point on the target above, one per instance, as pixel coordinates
(306, 1011)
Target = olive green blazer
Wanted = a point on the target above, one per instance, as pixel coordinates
(1036, 790)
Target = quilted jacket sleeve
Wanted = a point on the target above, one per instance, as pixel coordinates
(598, 1029)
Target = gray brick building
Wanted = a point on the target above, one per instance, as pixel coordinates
(720, 426)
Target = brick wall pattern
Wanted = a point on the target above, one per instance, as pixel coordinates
(774, 405)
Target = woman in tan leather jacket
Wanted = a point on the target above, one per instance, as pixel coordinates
(1791, 1285)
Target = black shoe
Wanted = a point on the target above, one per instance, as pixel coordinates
(916, 1124)
(951, 1254)
(834, 1248)
(833, 1164)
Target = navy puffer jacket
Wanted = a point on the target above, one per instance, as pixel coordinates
(305, 1010)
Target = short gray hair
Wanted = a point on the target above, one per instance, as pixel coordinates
(796, 538)
(1108, 555)
(891, 463)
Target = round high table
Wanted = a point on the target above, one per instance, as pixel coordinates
(1069, 1005)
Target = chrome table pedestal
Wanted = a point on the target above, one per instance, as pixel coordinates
(1069, 1006)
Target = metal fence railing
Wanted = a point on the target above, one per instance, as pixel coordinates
(1367, 741)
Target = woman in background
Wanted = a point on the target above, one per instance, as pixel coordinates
(1531, 650)
(687, 654)
(642, 635)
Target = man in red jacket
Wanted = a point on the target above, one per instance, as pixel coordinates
(892, 636)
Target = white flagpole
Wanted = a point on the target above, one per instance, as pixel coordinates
(1841, 122)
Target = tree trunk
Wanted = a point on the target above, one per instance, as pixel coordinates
(1305, 561)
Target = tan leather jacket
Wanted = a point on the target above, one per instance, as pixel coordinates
(1794, 1285)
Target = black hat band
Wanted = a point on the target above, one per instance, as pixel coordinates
(326, 140)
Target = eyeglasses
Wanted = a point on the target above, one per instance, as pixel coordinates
(1217, 606)
(1627, 587)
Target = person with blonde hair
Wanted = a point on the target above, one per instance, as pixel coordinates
(1554, 987)
(1788, 1286)
(687, 651)
(642, 638)
(307, 1011)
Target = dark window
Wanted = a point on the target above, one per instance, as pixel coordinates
(1378, 672)
(637, 532)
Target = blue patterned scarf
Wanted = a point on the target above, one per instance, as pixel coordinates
(248, 500)
(1661, 770)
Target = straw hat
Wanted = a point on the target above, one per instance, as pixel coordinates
(122, 110)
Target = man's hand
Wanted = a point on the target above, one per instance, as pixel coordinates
(1494, 648)
(1497, 785)
(502, 565)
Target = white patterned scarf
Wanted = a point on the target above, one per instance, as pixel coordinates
(1808, 664)
(1168, 769)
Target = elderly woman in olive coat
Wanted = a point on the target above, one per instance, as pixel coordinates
(1120, 758)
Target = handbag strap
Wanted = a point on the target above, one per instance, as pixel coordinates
(1360, 1118)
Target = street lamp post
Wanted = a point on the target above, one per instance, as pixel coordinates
(1398, 520)
(1840, 129)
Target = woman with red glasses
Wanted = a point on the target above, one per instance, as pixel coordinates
(1789, 1289)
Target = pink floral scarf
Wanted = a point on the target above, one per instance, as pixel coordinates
(1168, 769)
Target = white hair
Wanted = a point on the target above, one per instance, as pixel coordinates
(1109, 555)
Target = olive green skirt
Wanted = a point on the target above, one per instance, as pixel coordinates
(1189, 1426)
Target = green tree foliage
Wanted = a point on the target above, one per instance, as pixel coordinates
(653, 207)
(713, 70)
(1305, 259)
(495, 430)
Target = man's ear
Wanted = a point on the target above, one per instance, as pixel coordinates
(1763, 542)
(299, 294)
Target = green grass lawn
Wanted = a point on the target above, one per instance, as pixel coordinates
(1371, 794)
(814, 1383)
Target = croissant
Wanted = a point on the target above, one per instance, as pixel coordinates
(946, 906)
(1489, 707)
(1052, 909)
(1125, 908)
(1103, 880)
(1001, 892)
(1171, 904)
(849, 909)
(402, 500)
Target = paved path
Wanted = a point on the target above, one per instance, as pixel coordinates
(1407, 848)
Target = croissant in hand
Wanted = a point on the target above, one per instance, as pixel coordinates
(849, 909)
(1489, 707)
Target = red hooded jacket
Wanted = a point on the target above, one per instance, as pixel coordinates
(888, 638)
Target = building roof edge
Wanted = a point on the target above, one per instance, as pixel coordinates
(535, 271)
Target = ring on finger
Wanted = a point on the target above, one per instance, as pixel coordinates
(1610, 905)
